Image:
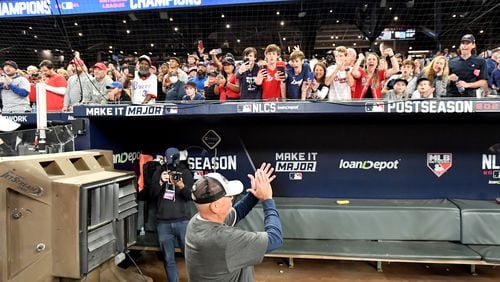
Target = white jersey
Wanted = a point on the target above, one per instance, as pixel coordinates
(339, 89)
(141, 87)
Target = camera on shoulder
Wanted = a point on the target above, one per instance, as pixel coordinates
(175, 175)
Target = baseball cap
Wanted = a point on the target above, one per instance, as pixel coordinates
(201, 63)
(100, 66)
(115, 84)
(400, 79)
(144, 58)
(172, 155)
(228, 61)
(212, 73)
(176, 59)
(10, 63)
(422, 79)
(468, 37)
(192, 69)
(213, 186)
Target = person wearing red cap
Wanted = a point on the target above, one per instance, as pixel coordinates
(55, 86)
(98, 91)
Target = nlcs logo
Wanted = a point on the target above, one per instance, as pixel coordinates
(439, 163)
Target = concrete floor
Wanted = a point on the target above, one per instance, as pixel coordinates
(273, 269)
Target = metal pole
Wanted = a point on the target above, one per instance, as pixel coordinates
(41, 117)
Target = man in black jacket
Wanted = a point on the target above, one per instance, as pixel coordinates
(171, 187)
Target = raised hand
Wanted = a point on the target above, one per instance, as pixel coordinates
(261, 182)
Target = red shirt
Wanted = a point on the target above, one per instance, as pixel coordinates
(226, 93)
(361, 82)
(32, 93)
(55, 102)
(271, 88)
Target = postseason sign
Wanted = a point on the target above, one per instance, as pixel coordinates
(430, 106)
(26, 8)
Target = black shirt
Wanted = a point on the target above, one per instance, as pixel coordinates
(210, 93)
(471, 70)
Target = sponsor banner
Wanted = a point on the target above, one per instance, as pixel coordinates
(420, 106)
(348, 158)
(29, 8)
(439, 163)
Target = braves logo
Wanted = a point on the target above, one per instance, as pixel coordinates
(439, 163)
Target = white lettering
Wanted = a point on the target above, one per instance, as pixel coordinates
(146, 4)
(99, 111)
(264, 107)
(367, 165)
(213, 163)
(490, 162)
(295, 166)
(20, 119)
(25, 8)
(144, 111)
(430, 106)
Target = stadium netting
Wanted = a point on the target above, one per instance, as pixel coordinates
(315, 25)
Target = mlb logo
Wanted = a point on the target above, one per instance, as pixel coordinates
(296, 176)
(374, 107)
(245, 108)
(173, 110)
(439, 163)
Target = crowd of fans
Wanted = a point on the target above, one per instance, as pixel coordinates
(342, 75)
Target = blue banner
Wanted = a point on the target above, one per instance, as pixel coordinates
(20, 8)
(365, 155)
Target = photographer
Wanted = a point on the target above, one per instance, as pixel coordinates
(171, 188)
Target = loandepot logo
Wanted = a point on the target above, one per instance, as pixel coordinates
(368, 165)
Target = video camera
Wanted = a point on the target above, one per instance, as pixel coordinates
(175, 175)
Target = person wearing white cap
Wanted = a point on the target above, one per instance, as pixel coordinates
(144, 85)
(216, 250)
